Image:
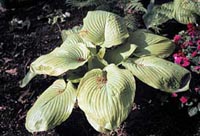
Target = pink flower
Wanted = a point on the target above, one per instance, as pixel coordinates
(183, 99)
(198, 47)
(174, 94)
(198, 43)
(197, 89)
(191, 33)
(183, 61)
(197, 67)
(194, 54)
(177, 38)
(190, 26)
(190, 43)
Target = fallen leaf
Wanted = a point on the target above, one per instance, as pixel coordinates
(6, 60)
(12, 71)
(2, 108)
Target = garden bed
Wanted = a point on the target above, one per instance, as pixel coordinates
(157, 113)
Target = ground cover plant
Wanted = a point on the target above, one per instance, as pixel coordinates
(109, 56)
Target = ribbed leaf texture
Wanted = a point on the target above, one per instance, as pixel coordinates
(159, 73)
(52, 108)
(150, 44)
(106, 96)
(184, 11)
(69, 32)
(120, 54)
(58, 61)
(104, 28)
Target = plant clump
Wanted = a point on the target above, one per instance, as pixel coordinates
(100, 60)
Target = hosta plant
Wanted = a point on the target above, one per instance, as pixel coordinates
(183, 11)
(100, 60)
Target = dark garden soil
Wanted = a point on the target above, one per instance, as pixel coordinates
(157, 114)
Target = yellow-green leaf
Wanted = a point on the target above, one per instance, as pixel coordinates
(66, 33)
(51, 108)
(104, 28)
(106, 96)
(58, 61)
(159, 73)
(71, 39)
(184, 11)
(120, 54)
(151, 44)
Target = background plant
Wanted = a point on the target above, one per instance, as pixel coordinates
(131, 10)
(188, 48)
(183, 11)
(100, 60)
(187, 55)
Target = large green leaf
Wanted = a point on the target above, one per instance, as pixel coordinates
(66, 33)
(106, 96)
(119, 54)
(184, 11)
(96, 62)
(52, 108)
(104, 28)
(58, 61)
(159, 73)
(151, 44)
(71, 39)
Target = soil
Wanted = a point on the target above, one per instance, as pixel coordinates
(157, 114)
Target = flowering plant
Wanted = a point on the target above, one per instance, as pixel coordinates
(188, 48)
(188, 55)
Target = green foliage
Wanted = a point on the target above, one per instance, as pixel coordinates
(102, 58)
(135, 5)
(183, 11)
(131, 22)
(99, 4)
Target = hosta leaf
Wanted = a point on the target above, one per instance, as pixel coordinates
(184, 11)
(151, 44)
(104, 28)
(102, 52)
(71, 39)
(106, 96)
(66, 33)
(59, 61)
(95, 62)
(119, 54)
(52, 108)
(159, 73)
